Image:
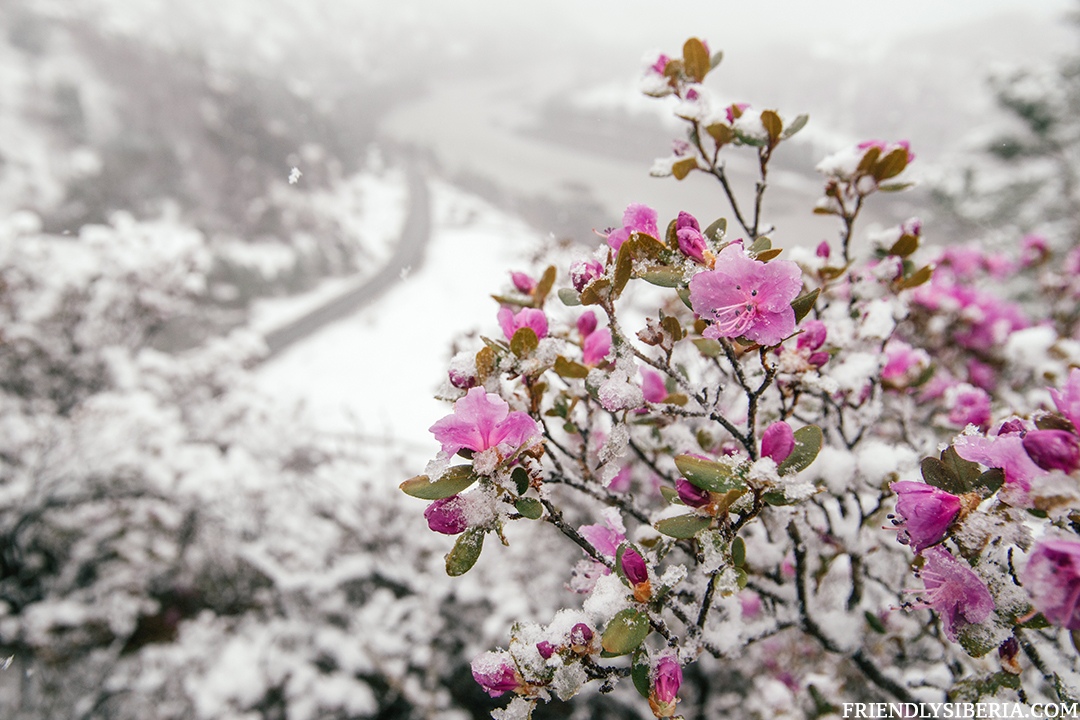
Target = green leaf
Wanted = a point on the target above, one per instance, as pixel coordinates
(990, 481)
(466, 552)
(716, 230)
(721, 133)
(641, 672)
(738, 552)
(769, 254)
(591, 294)
(529, 507)
(1054, 422)
(516, 300)
(874, 622)
(895, 186)
(543, 287)
(773, 125)
(970, 690)
(696, 59)
(524, 341)
(716, 59)
(906, 245)
(760, 245)
(520, 476)
(670, 494)
(570, 369)
(684, 295)
(682, 527)
(965, 470)
(796, 125)
(868, 159)
(708, 474)
(708, 347)
(671, 236)
(683, 167)
(891, 165)
(663, 276)
(938, 474)
(624, 266)
(625, 633)
(453, 481)
(808, 441)
(672, 327)
(777, 498)
(917, 278)
(569, 297)
(803, 304)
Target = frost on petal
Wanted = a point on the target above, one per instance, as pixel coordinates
(494, 671)
(954, 592)
(640, 218)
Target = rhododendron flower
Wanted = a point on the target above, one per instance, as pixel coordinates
(652, 386)
(545, 649)
(1053, 449)
(953, 591)
(666, 680)
(581, 636)
(447, 516)
(903, 364)
(813, 335)
(584, 272)
(596, 347)
(744, 297)
(924, 513)
(968, 405)
(586, 323)
(1033, 250)
(1067, 399)
(777, 442)
(823, 250)
(637, 218)
(523, 282)
(608, 537)
(633, 566)
(1002, 451)
(1052, 578)
(734, 111)
(495, 672)
(526, 317)
(481, 421)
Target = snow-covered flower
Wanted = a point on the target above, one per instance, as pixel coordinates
(481, 421)
(1052, 578)
(953, 591)
(745, 297)
(583, 272)
(968, 405)
(533, 318)
(495, 672)
(581, 637)
(924, 513)
(903, 364)
(1004, 451)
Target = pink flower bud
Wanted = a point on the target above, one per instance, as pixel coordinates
(692, 244)
(447, 516)
(495, 672)
(813, 335)
(545, 649)
(818, 359)
(823, 250)
(596, 347)
(580, 637)
(1052, 578)
(461, 380)
(925, 513)
(584, 272)
(652, 386)
(523, 282)
(667, 678)
(777, 441)
(633, 566)
(686, 220)
(660, 64)
(691, 494)
(969, 405)
(735, 111)
(586, 323)
(1053, 449)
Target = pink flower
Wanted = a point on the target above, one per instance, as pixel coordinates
(1003, 451)
(1053, 449)
(1052, 578)
(903, 364)
(925, 514)
(744, 297)
(813, 335)
(527, 317)
(968, 405)
(621, 482)
(954, 592)
(1033, 250)
(495, 672)
(823, 250)
(777, 441)
(1067, 399)
(637, 218)
(691, 241)
(482, 420)
(981, 375)
(523, 282)
(605, 538)
(545, 649)
(633, 566)
(447, 516)
(652, 386)
(666, 680)
(584, 272)
(596, 347)
(735, 111)
(586, 323)
(661, 64)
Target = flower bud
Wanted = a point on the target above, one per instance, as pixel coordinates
(1052, 578)
(461, 380)
(813, 335)
(523, 282)
(633, 566)
(584, 272)
(495, 672)
(447, 516)
(586, 324)
(1053, 449)
(691, 494)
(667, 678)
(777, 442)
(692, 244)
(925, 513)
(581, 636)
(1007, 653)
(823, 250)
(545, 649)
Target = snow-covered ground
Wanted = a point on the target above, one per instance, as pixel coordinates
(376, 372)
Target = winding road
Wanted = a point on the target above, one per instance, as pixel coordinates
(408, 254)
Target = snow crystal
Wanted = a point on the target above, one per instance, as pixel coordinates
(616, 444)
(567, 680)
(619, 393)
(294, 175)
(609, 596)
(518, 709)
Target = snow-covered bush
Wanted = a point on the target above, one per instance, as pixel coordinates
(797, 477)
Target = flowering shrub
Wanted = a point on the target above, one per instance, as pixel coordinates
(729, 430)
